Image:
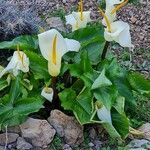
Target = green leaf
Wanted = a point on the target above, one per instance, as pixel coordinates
(14, 90)
(92, 40)
(15, 114)
(107, 95)
(38, 65)
(139, 83)
(101, 81)
(3, 84)
(81, 105)
(118, 76)
(119, 104)
(83, 69)
(121, 123)
(25, 42)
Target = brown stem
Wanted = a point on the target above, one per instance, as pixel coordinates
(105, 50)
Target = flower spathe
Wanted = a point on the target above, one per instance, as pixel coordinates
(19, 61)
(120, 33)
(78, 19)
(53, 46)
(48, 93)
(104, 114)
(75, 20)
(111, 9)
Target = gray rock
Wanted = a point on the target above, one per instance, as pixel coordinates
(139, 143)
(56, 22)
(11, 138)
(67, 127)
(14, 129)
(66, 147)
(145, 128)
(39, 132)
(2, 147)
(91, 144)
(23, 145)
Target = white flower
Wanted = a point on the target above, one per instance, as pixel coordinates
(111, 9)
(77, 21)
(120, 33)
(104, 114)
(19, 61)
(113, 2)
(109, 15)
(48, 93)
(53, 46)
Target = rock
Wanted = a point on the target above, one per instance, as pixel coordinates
(11, 138)
(145, 128)
(91, 144)
(66, 147)
(15, 129)
(23, 145)
(38, 132)
(56, 22)
(2, 147)
(133, 19)
(92, 133)
(139, 143)
(67, 127)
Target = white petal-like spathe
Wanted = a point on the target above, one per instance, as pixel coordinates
(86, 18)
(72, 21)
(111, 17)
(113, 2)
(75, 20)
(53, 51)
(72, 45)
(104, 114)
(48, 93)
(46, 43)
(120, 33)
(19, 61)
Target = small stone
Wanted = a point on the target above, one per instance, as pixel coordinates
(91, 144)
(56, 22)
(23, 145)
(145, 128)
(133, 19)
(92, 133)
(11, 138)
(67, 127)
(138, 143)
(2, 147)
(66, 147)
(38, 132)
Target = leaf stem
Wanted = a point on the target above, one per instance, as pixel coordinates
(105, 50)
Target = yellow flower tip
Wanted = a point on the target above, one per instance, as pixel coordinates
(106, 19)
(54, 50)
(19, 54)
(80, 9)
(119, 6)
(98, 105)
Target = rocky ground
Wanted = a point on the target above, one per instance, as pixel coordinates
(62, 132)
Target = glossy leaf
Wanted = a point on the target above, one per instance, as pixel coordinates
(81, 104)
(139, 83)
(25, 42)
(38, 65)
(92, 40)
